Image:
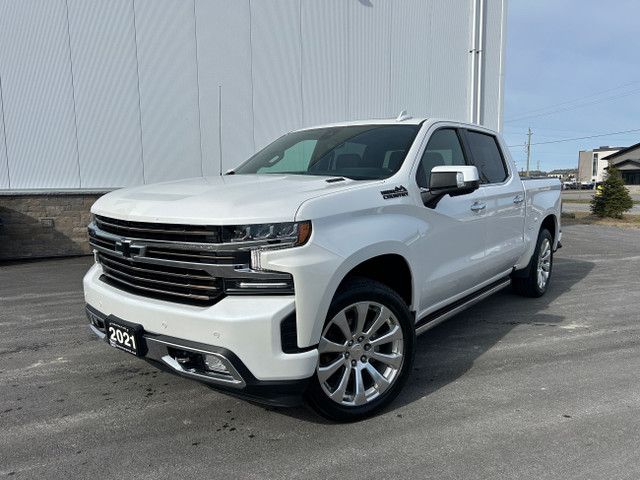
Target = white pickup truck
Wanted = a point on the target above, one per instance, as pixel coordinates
(310, 269)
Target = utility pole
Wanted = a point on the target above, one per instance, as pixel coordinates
(528, 149)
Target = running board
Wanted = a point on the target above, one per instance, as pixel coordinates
(443, 314)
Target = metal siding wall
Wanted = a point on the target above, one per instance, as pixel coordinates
(103, 52)
(224, 58)
(369, 53)
(275, 56)
(411, 58)
(450, 65)
(167, 66)
(107, 94)
(5, 182)
(493, 78)
(324, 28)
(38, 95)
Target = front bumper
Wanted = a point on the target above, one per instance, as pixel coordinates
(243, 333)
(187, 359)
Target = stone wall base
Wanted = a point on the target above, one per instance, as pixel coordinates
(44, 224)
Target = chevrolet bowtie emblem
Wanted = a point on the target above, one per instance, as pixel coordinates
(126, 248)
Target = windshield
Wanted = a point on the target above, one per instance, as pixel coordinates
(361, 152)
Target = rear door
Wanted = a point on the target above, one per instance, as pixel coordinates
(505, 201)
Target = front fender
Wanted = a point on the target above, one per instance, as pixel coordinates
(337, 246)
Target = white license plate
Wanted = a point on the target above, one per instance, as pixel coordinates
(123, 338)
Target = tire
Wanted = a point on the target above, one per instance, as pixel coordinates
(536, 282)
(365, 353)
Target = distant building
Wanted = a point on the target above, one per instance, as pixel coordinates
(627, 161)
(566, 175)
(591, 163)
(533, 173)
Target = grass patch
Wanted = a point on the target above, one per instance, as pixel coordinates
(586, 218)
(581, 200)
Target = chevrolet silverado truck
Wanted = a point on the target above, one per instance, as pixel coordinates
(308, 271)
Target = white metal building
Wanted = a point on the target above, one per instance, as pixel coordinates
(592, 164)
(98, 94)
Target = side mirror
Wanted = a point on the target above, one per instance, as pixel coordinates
(454, 180)
(451, 180)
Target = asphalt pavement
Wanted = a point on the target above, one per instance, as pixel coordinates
(521, 388)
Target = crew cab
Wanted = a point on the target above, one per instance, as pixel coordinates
(308, 270)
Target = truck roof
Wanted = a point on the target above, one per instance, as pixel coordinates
(401, 120)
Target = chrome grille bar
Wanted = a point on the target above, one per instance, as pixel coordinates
(196, 287)
(159, 291)
(169, 232)
(186, 276)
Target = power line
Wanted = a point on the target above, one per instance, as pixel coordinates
(580, 138)
(566, 109)
(573, 101)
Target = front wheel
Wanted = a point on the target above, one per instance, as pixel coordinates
(365, 352)
(539, 269)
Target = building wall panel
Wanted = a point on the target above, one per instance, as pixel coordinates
(37, 93)
(449, 45)
(276, 68)
(369, 52)
(167, 66)
(224, 60)
(494, 56)
(325, 92)
(5, 181)
(103, 53)
(411, 58)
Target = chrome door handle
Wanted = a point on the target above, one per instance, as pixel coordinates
(476, 207)
(519, 199)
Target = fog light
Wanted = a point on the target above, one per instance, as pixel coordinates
(213, 364)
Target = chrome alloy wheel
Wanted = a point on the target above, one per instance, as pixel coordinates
(361, 353)
(544, 263)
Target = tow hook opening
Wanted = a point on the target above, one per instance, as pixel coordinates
(96, 321)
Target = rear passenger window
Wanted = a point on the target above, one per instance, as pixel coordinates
(487, 157)
(443, 149)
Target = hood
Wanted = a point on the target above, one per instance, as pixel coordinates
(220, 200)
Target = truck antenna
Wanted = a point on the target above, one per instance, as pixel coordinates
(403, 116)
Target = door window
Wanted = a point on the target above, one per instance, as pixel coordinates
(444, 148)
(487, 157)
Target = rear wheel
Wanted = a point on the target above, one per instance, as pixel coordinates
(365, 352)
(536, 282)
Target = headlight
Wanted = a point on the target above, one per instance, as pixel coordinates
(260, 237)
(273, 235)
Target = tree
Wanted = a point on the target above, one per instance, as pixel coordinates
(614, 199)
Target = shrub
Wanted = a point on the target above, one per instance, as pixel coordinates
(614, 199)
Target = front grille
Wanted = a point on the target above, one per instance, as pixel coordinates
(177, 263)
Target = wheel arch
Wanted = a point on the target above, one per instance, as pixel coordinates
(551, 224)
(391, 270)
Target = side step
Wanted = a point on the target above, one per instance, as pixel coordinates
(443, 314)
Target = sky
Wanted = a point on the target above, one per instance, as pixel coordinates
(572, 70)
